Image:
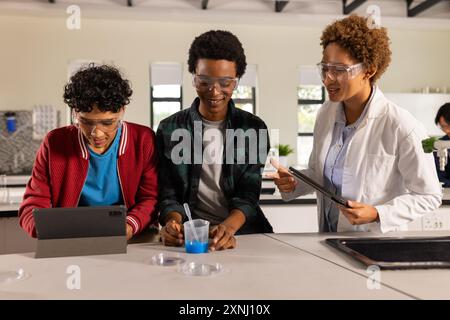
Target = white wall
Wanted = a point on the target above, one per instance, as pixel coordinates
(35, 52)
(423, 107)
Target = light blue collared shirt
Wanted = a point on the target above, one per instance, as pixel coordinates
(334, 162)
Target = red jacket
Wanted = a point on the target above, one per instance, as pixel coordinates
(61, 168)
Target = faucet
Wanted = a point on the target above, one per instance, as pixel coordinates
(441, 146)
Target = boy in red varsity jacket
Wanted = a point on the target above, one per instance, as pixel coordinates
(100, 160)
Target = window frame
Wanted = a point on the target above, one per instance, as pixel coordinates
(308, 101)
(163, 99)
(252, 100)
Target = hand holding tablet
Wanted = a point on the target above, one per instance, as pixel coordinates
(284, 183)
(283, 178)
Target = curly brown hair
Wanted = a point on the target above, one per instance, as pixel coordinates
(365, 44)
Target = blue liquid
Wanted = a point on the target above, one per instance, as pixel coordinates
(196, 247)
(11, 124)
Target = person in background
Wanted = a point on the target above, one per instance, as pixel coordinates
(443, 121)
(225, 194)
(100, 160)
(365, 148)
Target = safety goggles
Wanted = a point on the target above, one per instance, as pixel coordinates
(106, 126)
(338, 71)
(205, 83)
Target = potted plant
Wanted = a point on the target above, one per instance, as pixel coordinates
(283, 151)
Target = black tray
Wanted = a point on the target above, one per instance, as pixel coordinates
(397, 253)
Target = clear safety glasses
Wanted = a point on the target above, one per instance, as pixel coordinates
(338, 71)
(205, 83)
(106, 126)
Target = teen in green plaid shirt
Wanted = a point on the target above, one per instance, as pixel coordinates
(226, 193)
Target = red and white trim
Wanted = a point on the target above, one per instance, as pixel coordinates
(83, 148)
(133, 223)
(124, 139)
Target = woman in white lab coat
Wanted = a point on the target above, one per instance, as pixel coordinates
(365, 148)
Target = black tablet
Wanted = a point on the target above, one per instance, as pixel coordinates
(80, 222)
(318, 187)
(397, 253)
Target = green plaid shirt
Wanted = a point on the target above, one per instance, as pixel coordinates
(241, 183)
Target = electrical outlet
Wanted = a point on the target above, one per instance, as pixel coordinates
(432, 221)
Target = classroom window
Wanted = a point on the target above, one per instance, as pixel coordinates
(244, 96)
(165, 92)
(311, 96)
(165, 101)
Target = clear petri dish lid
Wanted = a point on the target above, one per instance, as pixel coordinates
(9, 276)
(164, 259)
(200, 269)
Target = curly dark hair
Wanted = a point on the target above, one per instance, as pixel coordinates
(365, 44)
(100, 86)
(217, 45)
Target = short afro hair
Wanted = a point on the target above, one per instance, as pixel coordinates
(217, 45)
(369, 45)
(444, 111)
(97, 86)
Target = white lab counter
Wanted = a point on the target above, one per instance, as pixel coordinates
(261, 267)
(418, 284)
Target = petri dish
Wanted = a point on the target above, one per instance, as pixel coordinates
(163, 259)
(200, 269)
(13, 275)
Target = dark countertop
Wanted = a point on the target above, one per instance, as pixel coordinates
(281, 202)
(9, 214)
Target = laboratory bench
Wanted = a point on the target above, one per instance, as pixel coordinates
(262, 266)
(415, 283)
(259, 268)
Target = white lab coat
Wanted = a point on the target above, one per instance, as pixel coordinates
(385, 166)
